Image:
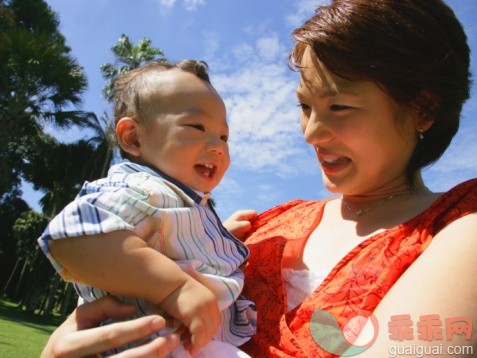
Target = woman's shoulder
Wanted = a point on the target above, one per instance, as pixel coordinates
(447, 207)
(291, 220)
(466, 187)
(458, 201)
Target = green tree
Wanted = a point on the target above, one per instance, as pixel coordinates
(128, 57)
(103, 139)
(40, 82)
(33, 281)
(11, 207)
(59, 170)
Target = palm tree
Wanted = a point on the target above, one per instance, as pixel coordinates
(55, 168)
(60, 169)
(128, 57)
(11, 208)
(39, 83)
(104, 142)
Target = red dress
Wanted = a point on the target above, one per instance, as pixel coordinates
(356, 284)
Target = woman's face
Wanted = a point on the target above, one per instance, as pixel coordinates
(361, 147)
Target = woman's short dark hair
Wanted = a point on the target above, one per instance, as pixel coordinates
(415, 50)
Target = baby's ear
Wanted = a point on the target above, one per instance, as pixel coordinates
(127, 133)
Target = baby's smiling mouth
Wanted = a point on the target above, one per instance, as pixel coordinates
(206, 169)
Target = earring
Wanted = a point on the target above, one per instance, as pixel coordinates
(421, 133)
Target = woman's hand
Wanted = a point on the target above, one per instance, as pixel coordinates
(79, 336)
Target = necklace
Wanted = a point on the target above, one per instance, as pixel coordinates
(360, 212)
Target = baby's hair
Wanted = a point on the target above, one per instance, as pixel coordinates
(130, 86)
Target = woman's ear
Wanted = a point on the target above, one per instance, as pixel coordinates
(429, 104)
(127, 133)
(424, 123)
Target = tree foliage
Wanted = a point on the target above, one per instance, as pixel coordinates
(128, 57)
(11, 207)
(42, 83)
(39, 81)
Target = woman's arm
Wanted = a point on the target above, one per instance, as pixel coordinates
(440, 285)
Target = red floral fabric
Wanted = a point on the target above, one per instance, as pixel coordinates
(354, 287)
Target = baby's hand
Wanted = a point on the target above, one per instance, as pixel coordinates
(239, 222)
(196, 307)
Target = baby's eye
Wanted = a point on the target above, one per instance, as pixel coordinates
(198, 126)
(338, 107)
(304, 107)
(225, 138)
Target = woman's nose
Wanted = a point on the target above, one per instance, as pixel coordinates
(315, 129)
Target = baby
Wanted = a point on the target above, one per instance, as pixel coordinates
(147, 233)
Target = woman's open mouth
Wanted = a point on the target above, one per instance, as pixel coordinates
(333, 164)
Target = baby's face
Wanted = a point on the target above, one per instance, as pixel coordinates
(187, 132)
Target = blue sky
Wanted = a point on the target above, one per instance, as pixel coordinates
(246, 43)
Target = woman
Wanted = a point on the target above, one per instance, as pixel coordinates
(381, 89)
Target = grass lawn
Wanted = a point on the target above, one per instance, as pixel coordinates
(22, 335)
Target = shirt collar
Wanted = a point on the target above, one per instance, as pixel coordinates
(198, 197)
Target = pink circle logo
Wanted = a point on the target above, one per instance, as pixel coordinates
(327, 333)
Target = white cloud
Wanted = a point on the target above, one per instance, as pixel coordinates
(192, 5)
(211, 44)
(259, 27)
(223, 194)
(267, 193)
(189, 5)
(269, 47)
(167, 3)
(304, 9)
(243, 52)
(261, 105)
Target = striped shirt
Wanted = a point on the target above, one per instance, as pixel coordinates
(172, 219)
